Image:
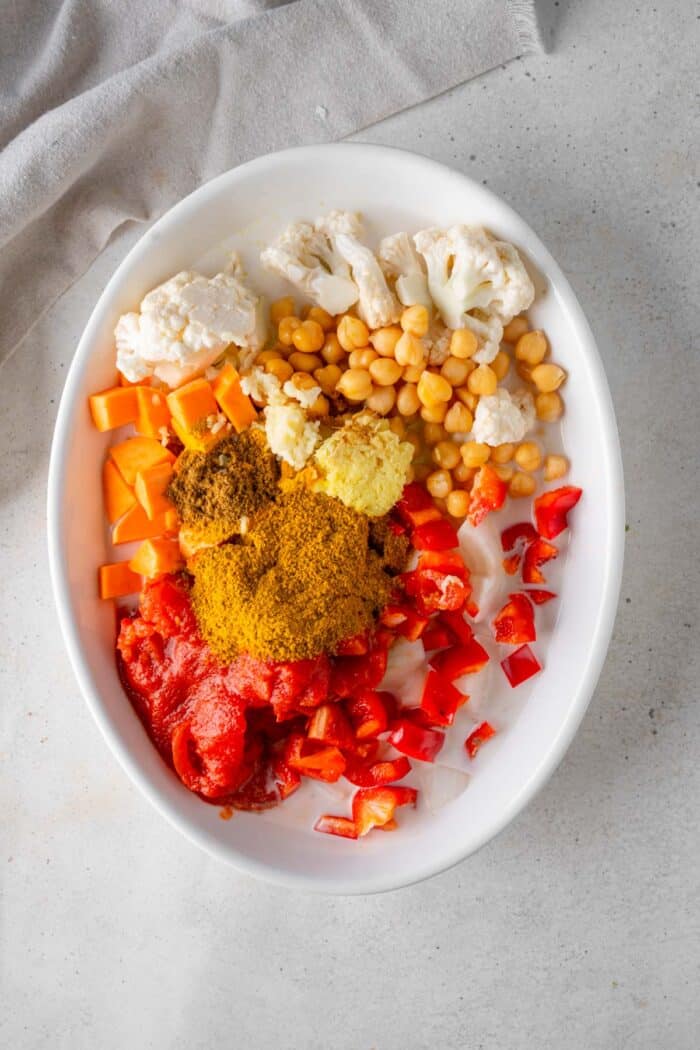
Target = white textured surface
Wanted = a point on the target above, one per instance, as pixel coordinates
(578, 927)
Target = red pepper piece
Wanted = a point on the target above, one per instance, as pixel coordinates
(440, 700)
(437, 636)
(412, 740)
(358, 645)
(520, 665)
(288, 780)
(472, 609)
(377, 773)
(511, 564)
(537, 554)
(330, 725)
(368, 714)
(449, 562)
(460, 660)
(438, 535)
(518, 535)
(477, 737)
(351, 674)
(540, 597)
(394, 615)
(434, 590)
(488, 493)
(515, 623)
(457, 624)
(375, 807)
(416, 506)
(413, 626)
(343, 826)
(305, 756)
(552, 508)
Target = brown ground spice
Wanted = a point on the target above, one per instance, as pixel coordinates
(213, 490)
(303, 578)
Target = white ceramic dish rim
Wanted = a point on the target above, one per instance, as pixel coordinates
(613, 555)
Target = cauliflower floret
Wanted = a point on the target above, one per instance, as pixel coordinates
(305, 258)
(503, 418)
(378, 305)
(290, 435)
(437, 342)
(400, 259)
(184, 324)
(305, 397)
(263, 387)
(470, 271)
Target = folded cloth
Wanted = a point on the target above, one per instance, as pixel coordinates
(111, 112)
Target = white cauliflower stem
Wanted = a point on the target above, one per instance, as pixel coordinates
(307, 260)
(378, 305)
(400, 259)
(476, 282)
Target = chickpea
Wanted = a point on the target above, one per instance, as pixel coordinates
(515, 328)
(352, 333)
(282, 369)
(385, 371)
(328, 377)
(434, 413)
(322, 317)
(308, 337)
(439, 483)
(463, 474)
(434, 432)
(524, 370)
(458, 503)
(446, 454)
(303, 381)
(268, 355)
(502, 453)
(355, 384)
(459, 419)
(482, 381)
(531, 347)
(501, 365)
(415, 319)
(555, 467)
(549, 407)
(474, 454)
(320, 408)
(467, 398)
(412, 373)
(409, 350)
(433, 389)
(286, 329)
(521, 485)
(407, 400)
(362, 358)
(398, 426)
(455, 370)
(384, 340)
(382, 400)
(332, 352)
(548, 378)
(463, 343)
(528, 456)
(504, 473)
(282, 308)
(304, 362)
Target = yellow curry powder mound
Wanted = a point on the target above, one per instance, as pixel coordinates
(309, 573)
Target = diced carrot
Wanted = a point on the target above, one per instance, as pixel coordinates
(135, 525)
(236, 406)
(153, 411)
(138, 454)
(157, 556)
(118, 496)
(150, 488)
(114, 407)
(117, 580)
(192, 403)
(195, 441)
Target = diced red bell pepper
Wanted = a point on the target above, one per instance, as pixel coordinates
(375, 807)
(413, 626)
(394, 615)
(358, 645)
(551, 510)
(515, 623)
(438, 535)
(416, 506)
(537, 554)
(305, 756)
(540, 597)
(330, 725)
(472, 609)
(511, 564)
(460, 660)
(477, 737)
(434, 590)
(449, 562)
(520, 665)
(343, 826)
(519, 535)
(412, 740)
(457, 624)
(374, 774)
(488, 493)
(351, 674)
(288, 779)
(437, 636)
(440, 700)
(368, 714)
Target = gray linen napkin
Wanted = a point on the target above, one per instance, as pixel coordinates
(111, 111)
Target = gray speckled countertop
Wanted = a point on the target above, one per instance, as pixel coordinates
(578, 926)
